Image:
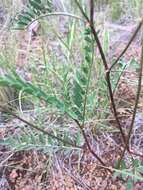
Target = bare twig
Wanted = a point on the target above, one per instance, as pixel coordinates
(55, 137)
(5, 160)
(92, 12)
(89, 146)
(128, 44)
(39, 129)
(56, 14)
(81, 126)
(136, 105)
(82, 11)
(91, 24)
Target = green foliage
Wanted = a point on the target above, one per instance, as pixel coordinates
(30, 140)
(19, 84)
(34, 9)
(116, 9)
(71, 101)
(118, 73)
(75, 95)
(82, 78)
(70, 90)
(131, 174)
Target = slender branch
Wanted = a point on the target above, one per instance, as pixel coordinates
(99, 46)
(85, 101)
(90, 21)
(92, 12)
(79, 125)
(136, 105)
(37, 128)
(128, 44)
(57, 14)
(57, 138)
(82, 11)
(88, 144)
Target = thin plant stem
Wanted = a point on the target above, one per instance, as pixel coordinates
(55, 137)
(56, 14)
(107, 73)
(88, 144)
(87, 87)
(37, 128)
(128, 44)
(82, 11)
(79, 125)
(136, 105)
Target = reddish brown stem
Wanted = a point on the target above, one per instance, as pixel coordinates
(91, 24)
(136, 105)
(55, 137)
(79, 125)
(127, 46)
(39, 129)
(89, 146)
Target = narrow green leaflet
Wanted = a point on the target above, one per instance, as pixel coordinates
(33, 10)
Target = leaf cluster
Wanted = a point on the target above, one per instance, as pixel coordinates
(33, 9)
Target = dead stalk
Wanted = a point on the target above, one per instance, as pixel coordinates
(128, 44)
(136, 105)
(39, 129)
(107, 73)
(88, 144)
